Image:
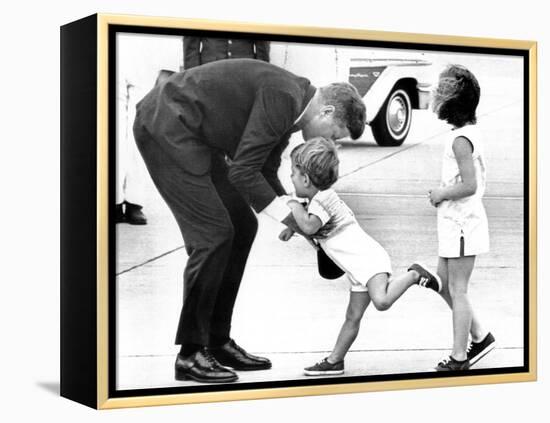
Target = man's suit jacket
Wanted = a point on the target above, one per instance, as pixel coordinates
(242, 108)
(199, 51)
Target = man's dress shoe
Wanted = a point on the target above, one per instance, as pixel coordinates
(203, 367)
(231, 355)
(133, 214)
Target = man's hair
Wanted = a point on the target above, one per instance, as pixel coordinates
(348, 104)
(318, 159)
(457, 96)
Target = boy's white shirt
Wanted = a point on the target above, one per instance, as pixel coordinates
(316, 207)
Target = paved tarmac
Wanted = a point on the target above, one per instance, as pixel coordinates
(288, 313)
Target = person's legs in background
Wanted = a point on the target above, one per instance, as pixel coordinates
(130, 169)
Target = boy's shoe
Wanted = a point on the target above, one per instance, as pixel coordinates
(478, 350)
(449, 364)
(427, 279)
(325, 368)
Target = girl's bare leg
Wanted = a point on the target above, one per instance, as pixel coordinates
(477, 331)
(460, 270)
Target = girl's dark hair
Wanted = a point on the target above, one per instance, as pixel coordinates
(457, 96)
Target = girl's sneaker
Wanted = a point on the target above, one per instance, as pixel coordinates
(325, 368)
(427, 279)
(449, 364)
(478, 350)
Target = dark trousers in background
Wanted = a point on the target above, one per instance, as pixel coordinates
(218, 229)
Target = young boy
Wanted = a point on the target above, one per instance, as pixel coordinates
(366, 264)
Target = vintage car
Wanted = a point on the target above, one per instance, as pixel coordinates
(391, 89)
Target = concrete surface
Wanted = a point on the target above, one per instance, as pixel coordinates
(287, 312)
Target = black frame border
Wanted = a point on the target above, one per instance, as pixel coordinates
(113, 29)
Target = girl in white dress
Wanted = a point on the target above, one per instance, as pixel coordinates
(461, 219)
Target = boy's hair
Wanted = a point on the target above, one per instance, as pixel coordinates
(348, 104)
(457, 96)
(318, 159)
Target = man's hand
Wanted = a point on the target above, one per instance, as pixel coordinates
(286, 234)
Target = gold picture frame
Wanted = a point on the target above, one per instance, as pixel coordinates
(87, 300)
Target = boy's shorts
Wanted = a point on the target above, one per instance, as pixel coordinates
(355, 286)
(359, 255)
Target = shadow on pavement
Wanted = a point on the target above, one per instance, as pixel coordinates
(51, 387)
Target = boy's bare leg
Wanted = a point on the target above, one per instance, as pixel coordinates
(358, 302)
(385, 291)
(477, 331)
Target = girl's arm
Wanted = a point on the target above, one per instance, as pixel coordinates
(463, 150)
(309, 224)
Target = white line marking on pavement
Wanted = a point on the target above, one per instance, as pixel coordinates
(355, 194)
(361, 194)
(327, 351)
(149, 261)
(408, 147)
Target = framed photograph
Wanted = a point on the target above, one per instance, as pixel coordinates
(255, 211)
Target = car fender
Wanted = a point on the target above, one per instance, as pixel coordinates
(375, 97)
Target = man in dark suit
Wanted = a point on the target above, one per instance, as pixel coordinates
(200, 50)
(212, 139)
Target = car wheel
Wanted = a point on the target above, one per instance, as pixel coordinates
(392, 123)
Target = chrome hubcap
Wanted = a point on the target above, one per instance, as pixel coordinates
(397, 115)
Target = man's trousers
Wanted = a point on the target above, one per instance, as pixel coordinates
(218, 229)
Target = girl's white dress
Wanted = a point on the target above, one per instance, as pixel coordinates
(462, 224)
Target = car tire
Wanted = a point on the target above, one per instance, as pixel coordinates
(391, 125)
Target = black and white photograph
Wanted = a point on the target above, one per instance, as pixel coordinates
(289, 212)
(275, 212)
